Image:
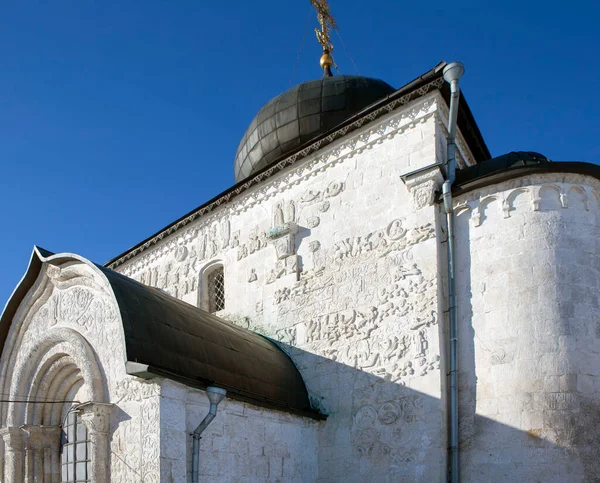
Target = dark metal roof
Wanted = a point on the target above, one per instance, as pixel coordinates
(300, 114)
(170, 338)
(515, 165)
(512, 160)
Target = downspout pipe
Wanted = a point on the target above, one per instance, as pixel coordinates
(215, 396)
(452, 74)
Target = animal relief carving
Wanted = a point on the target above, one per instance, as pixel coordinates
(287, 266)
(332, 190)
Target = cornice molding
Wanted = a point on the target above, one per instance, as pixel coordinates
(561, 186)
(350, 146)
(465, 157)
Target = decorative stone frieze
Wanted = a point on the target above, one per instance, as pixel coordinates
(528, 195)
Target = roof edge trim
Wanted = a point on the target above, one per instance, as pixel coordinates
(505, 174)
(146, 371)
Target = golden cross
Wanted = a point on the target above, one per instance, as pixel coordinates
(327, 23)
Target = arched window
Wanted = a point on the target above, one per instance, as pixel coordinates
(75, 464)
(215, 289)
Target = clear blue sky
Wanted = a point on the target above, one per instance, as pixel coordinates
(117, 117)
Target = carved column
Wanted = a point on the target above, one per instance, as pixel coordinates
(42, 442)
(423, 184)
(14, 444)
(96, 417)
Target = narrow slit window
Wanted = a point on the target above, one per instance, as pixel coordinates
(216, 290)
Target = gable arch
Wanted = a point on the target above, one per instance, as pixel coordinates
(61, 328)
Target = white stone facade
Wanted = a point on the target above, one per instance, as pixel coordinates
(342, 263)
(333, 259)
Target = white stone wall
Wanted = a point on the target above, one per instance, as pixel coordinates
(342, 264)
(351, 293)
(529, 342)
(244, 442)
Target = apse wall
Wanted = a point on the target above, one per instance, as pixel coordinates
(529, 339)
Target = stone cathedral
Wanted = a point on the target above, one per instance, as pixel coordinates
(315, 296)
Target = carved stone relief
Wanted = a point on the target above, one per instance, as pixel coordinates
(173, 267)
(314, 202)
(151, 441)
(385, 335)
(314, 245)
(387, 429)
(180, 253)
(257, 241)
(284, 212)
(283, 238)
(252, 277)
(91, 311)
(382, 242)
(404, 119)
(313, 221)
(313, 197)
(287, 266)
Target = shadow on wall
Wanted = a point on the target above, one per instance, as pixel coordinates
(377, 430)
(529, 349)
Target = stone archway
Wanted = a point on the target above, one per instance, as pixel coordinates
(59, 364)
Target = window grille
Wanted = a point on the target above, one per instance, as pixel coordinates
(76, 465)
(216, 290)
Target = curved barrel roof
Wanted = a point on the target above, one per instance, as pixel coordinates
(170, 338)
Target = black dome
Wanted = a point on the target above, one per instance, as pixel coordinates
(301, 113)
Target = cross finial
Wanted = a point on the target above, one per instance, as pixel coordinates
(327, 23)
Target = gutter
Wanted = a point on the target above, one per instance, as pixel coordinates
(452, 74)
(215, 396)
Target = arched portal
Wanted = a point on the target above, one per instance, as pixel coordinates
(57, 377)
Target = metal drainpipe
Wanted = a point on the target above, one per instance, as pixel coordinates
(452, 73)
(215, 396)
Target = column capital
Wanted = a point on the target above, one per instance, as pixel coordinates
(14, 438)
(96, 416)
(422, 185)
(40, 437)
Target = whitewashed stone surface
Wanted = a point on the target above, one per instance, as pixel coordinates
(350, 294)
(342, 264)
